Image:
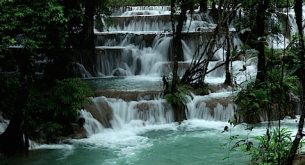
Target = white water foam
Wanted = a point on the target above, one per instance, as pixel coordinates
(91, 125)
(3, 126)
(53, 146)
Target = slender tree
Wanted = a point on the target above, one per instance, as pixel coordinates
(228, 79)
(195, 75)
(298, 14)
(260, 27)
(177, 52)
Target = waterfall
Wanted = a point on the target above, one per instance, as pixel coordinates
(141, 40)
(3, 124)
(149, 112)
(211, 108)
(91, 125)
(140, 46)
(214, 107)
(129, 122)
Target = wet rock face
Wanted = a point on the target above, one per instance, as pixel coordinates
(138, 66)
(142, 23)
(79, 133)
(129, 95)
(214, 88)
(81, 121)
(101, 111)
(119, 72)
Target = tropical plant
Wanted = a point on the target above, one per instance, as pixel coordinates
(181, 97)
(34, 30)
(280, 83)
(251, 102)
(271, 147)
(51, 111)
(178, 99)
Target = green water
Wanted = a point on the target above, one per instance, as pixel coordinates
(131, 83)
(194, 142)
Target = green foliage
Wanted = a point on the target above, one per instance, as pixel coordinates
(227, 146)
(290, 84)
(276, 88)
(235, 142)
(265, 149)
(271, 147)
(182, 96)
(51, 29)
(203, 89)
(292, 58)
(284, 3)
(43, 15)
(72, 92)
(275, 64)
(102, 11)
(52, 111)
(117, 3)
(9, 93)
(250, 100)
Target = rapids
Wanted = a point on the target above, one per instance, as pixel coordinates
(195, 141)
(131, 59)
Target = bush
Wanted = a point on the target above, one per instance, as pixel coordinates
(271, 147)
(52, 112)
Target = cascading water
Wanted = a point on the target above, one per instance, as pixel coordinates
(131, 59)
(140, 46)
(3, 124)
(140, 43)
(91, 125)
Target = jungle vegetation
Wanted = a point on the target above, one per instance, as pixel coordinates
(43, 106)
(62, 31)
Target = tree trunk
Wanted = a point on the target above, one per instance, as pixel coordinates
(11, 140)
(298, 13)
(177, 53)
(260, 27)
(210, 53)
(203, 6)
(177, 46)
(228, 54)
(87, 56)
(195, 74)
(175, 49)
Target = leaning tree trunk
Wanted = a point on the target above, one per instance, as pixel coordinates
(298, 13)
(228, 80)
(195, 74)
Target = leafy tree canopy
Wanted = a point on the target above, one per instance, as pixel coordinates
(49, 30)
